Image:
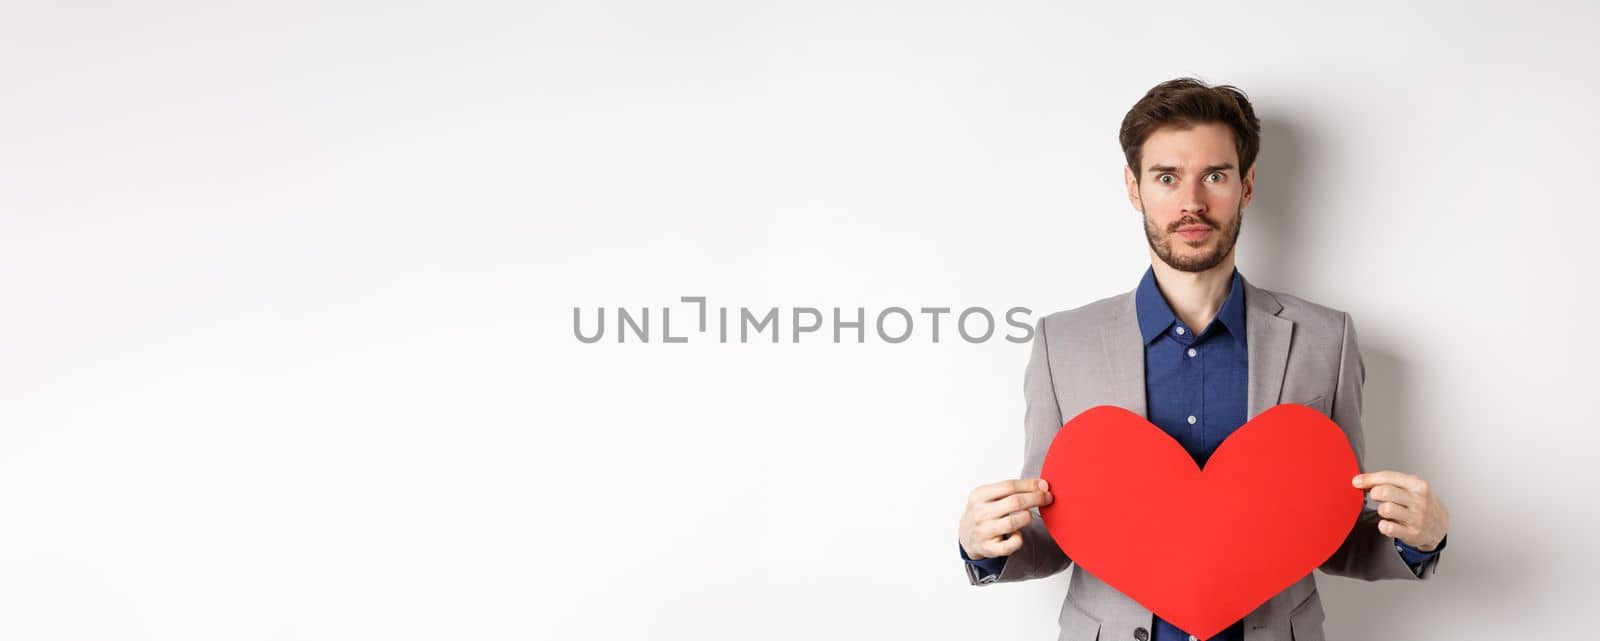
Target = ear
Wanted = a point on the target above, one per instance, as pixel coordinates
(1249, 187)
(1133, 187)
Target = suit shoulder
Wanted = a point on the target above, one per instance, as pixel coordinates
(1310, 315)
(1095, 314)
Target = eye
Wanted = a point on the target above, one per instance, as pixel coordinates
(1216, 174)
(1164, 179)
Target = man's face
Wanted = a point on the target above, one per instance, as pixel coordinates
(1192, 195)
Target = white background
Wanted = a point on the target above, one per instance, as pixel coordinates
(286, 298)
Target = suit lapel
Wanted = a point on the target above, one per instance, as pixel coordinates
(1124, 350)
(1267, 340)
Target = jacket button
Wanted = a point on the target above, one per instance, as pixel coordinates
(1141, 634)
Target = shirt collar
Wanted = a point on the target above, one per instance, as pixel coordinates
(1155, 315)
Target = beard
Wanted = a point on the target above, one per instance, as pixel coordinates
(1161, 243)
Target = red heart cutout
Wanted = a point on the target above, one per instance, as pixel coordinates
(1200, 548)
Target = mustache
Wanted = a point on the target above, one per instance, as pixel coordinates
(1187, 221)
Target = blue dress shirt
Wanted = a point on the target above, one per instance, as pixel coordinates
(1197, 385)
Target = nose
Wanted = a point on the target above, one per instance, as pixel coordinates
(1191, 200)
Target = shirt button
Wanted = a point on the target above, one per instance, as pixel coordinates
(1192, 420)
(1179, 330)
(1191, 638)
(1192, 352)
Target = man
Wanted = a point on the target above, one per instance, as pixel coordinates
(1197, 350)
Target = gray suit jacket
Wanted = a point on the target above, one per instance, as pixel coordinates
(1299, 352)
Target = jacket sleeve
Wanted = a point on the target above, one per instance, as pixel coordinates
(1366, 553)
(1039, 555)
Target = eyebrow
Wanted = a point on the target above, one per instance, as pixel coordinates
(1163, 169)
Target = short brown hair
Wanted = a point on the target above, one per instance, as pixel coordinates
(1184, 103)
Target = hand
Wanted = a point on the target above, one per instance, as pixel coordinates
(996, 511)
(1411, 511)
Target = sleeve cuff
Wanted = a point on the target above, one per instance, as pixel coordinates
(988, 569)
(1412, 556)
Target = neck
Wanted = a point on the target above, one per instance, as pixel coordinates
(1195, 297)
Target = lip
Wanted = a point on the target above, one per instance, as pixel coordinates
(1194, 232)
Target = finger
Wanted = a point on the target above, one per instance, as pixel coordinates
(999, 547)
(1017, 520)
(1396, 494)
(1398, 513)
(993, 528)
(1397, 530)
(1015, 503)
(992, 491)
(1389, 477)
